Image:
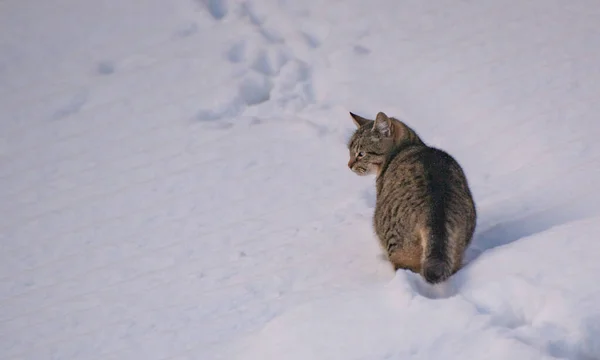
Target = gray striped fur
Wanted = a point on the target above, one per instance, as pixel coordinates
(425, 215)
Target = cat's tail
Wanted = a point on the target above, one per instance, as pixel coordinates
(437, 262)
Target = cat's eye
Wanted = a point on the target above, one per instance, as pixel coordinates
(360, 154)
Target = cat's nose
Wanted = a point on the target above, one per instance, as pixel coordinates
(351, 163)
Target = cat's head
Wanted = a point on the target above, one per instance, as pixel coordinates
(373, 140)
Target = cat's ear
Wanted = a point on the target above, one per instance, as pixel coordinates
(383, 124)
(359, 120)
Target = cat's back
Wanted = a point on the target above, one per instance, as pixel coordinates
(420, 170)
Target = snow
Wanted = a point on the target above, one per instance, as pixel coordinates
(173, 179)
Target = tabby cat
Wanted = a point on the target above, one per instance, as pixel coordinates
(425, 214)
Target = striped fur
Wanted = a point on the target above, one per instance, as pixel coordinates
(425, 215)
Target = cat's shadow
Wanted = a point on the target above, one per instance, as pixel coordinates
(506, 232)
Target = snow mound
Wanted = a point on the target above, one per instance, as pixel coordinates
(526, 300)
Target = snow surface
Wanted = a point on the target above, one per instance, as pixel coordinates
(173, 179)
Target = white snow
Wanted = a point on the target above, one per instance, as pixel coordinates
(173, 179)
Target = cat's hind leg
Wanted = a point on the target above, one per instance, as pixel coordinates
(406, 257)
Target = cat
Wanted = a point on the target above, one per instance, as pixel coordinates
(425, 215)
